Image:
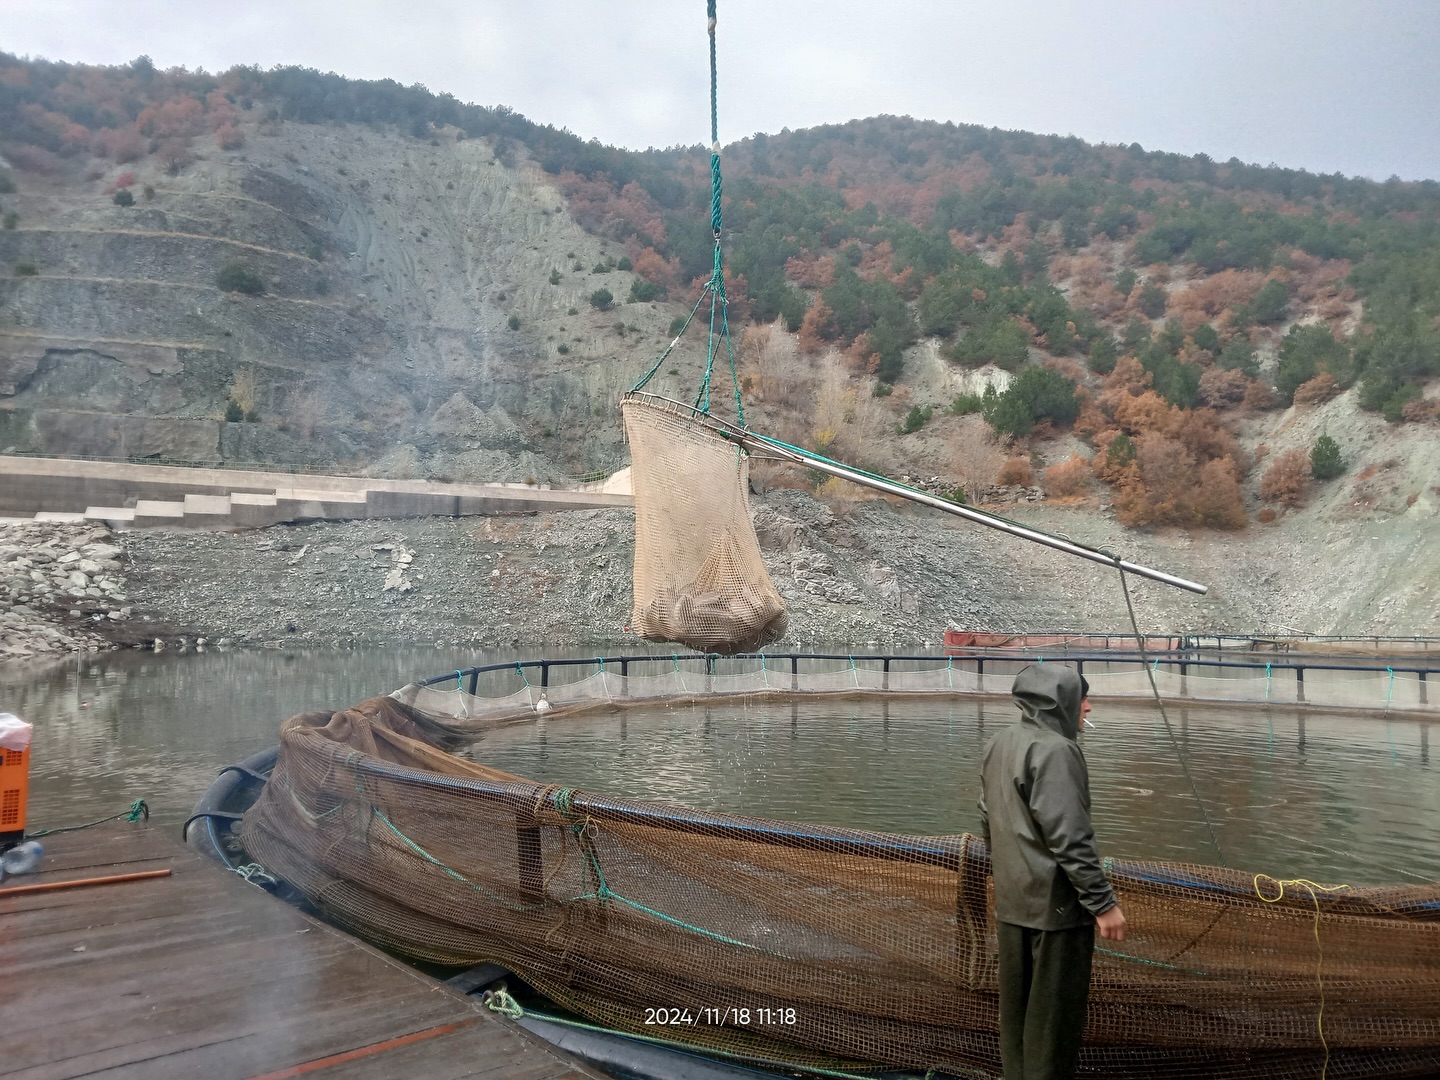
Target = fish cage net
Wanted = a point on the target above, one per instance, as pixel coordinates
(808, 946)
(699, 578)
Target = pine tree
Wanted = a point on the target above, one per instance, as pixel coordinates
(1325, 460)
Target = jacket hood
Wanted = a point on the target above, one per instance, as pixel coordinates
(1049, 695)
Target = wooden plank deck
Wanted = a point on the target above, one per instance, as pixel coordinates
(201, 974)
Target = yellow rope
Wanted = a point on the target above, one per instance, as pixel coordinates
(1312, 888)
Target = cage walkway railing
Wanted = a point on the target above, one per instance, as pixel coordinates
(1392, 686)
(1190, 641)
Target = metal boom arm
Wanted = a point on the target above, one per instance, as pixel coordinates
(753, 442)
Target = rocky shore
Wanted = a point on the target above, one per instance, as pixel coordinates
(870, 574)
(62, 589)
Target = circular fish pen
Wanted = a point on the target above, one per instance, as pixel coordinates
(804, 946)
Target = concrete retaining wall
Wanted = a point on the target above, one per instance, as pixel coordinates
(146, 496)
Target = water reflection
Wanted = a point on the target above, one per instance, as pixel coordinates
(1330, 796)
(115, 727)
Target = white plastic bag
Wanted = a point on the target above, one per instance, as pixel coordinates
(14, 733)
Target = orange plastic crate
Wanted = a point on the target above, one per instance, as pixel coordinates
(14, 789)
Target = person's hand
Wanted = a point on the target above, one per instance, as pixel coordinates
(1111, 923)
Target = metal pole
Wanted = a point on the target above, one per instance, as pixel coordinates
(760, 443)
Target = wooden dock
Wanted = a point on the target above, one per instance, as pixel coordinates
(201, 974)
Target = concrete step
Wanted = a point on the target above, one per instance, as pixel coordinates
(158, 513)
(207, 511)
(250, 510)
(117, 517)
(60, 517)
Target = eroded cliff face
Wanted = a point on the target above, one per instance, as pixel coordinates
(410, 324)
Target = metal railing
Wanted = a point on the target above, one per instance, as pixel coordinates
(1193, 641)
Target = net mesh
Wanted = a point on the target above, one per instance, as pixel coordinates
(699, 578)
(808, 945)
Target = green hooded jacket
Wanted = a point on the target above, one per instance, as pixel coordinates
(1035, 809)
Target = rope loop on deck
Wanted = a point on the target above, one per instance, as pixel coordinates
(257, 875)
(139, 811)
(501, 1002)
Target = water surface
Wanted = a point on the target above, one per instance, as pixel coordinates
(1331, 796)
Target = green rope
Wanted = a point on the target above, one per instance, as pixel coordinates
(1149, 963)
(640, 385)
(603, 893)
(454, 874)
(715, 287)
(139, 810)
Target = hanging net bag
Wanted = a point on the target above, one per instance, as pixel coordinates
(699, 577)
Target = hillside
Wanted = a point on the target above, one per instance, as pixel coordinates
(285, 267)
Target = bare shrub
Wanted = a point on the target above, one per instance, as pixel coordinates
(244, 389)
(840, 495)
(1421, 409)
(307, 412)
(772, 369)
(229, 137)
(174, 154)
(973, 456)
(1015, 470)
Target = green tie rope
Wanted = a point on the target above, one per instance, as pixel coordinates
(715, 287)
(139, 811)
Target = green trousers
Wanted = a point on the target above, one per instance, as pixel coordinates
(1044, 984)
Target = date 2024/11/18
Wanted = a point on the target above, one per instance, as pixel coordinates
(719, 1015)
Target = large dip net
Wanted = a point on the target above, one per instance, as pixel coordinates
(807, 946)
(699, 577)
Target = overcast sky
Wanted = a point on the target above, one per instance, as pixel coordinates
(1326, 85)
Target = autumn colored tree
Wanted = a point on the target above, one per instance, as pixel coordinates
(1165, 465)
(1221, 389)
(1070, 477)
(229, 137)
(1216, 499)
(818, 329)
(1287, 480)
(1317, 391)
(124, 144)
